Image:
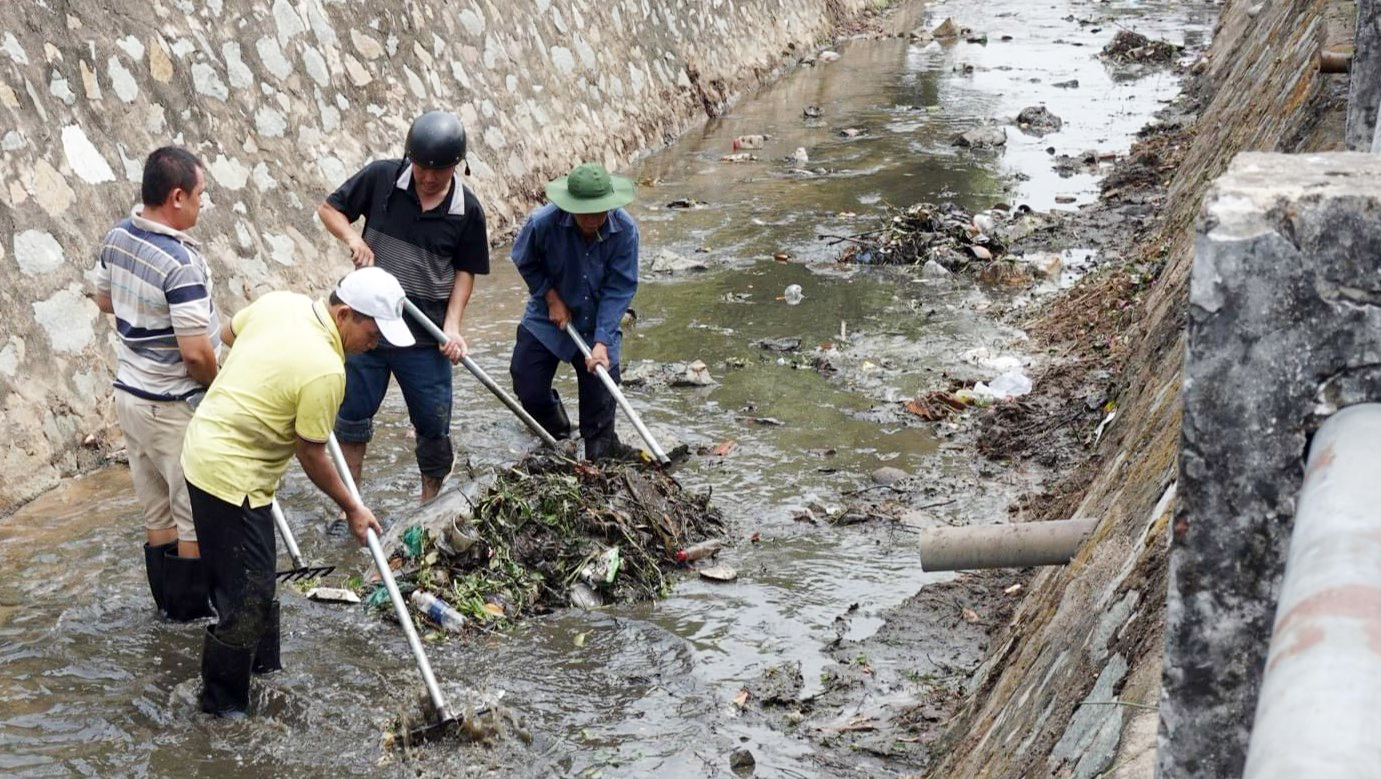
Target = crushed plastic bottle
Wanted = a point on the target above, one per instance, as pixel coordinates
(793, 294)
(438, 611)
(701, 550)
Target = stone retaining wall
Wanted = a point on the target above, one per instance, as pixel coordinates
(283, 99)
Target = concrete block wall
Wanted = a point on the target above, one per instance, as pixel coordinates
(1364, 82)
(1284, 329)
(282, 99)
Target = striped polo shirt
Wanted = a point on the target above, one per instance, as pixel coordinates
(160, 289)
(423, 249)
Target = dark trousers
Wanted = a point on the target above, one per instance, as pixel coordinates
(237, 553)
(533, 366)
(424, 376)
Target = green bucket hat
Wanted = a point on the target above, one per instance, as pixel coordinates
(589, 189)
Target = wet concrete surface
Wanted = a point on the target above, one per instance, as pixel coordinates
(92, 684)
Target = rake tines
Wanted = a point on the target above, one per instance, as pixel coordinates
(301, 571)
(305, 572)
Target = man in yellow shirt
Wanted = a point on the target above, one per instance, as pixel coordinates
(275, 397)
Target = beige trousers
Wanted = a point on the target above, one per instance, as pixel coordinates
(153, 437)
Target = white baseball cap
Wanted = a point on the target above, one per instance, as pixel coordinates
(374, 292)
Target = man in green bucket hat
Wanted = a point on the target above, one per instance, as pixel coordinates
(579, 257)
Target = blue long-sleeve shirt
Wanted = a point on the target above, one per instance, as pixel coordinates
(595, 279)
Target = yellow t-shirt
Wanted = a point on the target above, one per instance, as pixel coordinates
(284, 378)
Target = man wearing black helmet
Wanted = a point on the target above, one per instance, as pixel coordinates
(423, 225)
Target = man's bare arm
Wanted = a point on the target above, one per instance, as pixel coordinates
(338, 224)
(199, 357)
(316, 463)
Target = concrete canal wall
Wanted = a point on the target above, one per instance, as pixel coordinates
(282, 99)
(1074, 688)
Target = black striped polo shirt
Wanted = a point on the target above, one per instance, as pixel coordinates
(423, 249)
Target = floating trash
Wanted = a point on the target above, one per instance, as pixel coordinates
(750, 141)
(942, 237)
(700, 551)
(1129, 47)
(718, 573)
(332, 595)
(551, 532)
(697, 375)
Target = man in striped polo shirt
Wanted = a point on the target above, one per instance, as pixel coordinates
(423, 225)
(152, 277)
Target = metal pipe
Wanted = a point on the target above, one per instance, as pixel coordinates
(1316, 714)
(399, 606)
(1003, 546)
(286, 532)
(622, 401)
(1335, 62)
(479, 373)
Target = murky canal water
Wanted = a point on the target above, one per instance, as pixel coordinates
(92, 685)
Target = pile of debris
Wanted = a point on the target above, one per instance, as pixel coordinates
(943, 238)
(1129, 48)
(550, 532)
(1038, 120)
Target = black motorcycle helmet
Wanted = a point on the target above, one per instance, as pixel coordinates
(435, 140)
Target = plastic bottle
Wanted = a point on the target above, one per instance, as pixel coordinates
(749, 142)
(697, 551)
(437, 611)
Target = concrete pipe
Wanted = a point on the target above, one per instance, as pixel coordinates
(1003, 546)
(1316, 714)
(1335, 62)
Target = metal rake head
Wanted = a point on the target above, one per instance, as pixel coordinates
(676, 458)
(433, 731)
(306, 572)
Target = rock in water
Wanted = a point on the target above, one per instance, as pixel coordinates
(947, 29)
(742, 762)
(1037, 120)
(887, 475)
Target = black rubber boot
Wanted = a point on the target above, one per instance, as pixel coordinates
(186, 594)
(610, 449)
(225, 671)
(561, 421)
(266, 658)
(153, 567)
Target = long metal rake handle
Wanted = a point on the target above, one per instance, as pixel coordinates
(401, 608)
(479, 373)
(618, 396)
(300, 570)
(287, 533)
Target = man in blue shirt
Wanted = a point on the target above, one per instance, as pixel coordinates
(579, 257)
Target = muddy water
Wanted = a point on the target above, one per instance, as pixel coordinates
(90, 684)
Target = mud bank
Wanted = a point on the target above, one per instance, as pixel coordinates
(283, 100)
